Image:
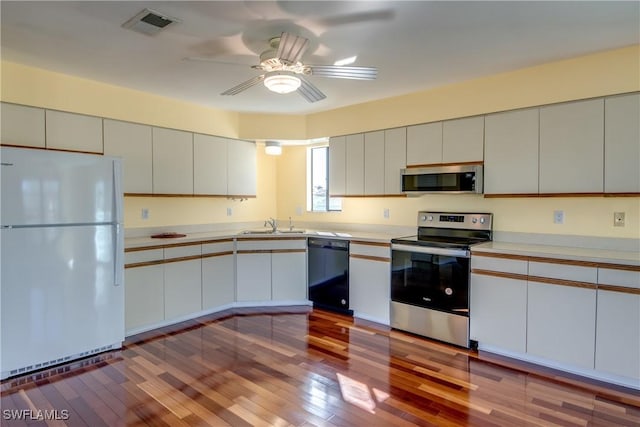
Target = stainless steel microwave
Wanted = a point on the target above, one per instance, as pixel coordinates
(442, 179)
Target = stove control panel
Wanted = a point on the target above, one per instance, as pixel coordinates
(467, 221)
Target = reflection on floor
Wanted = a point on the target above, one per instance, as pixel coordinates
(298, 366)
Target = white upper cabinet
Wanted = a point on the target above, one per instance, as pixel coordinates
(241, 168)
(463, 140)
(22, 125)
(337, 165)
(172, 161)
(395, 155)
(374, 163)
(74, 132)
(572, 147)
(133, 143)
(511, 150)
(424, 144)
(622, 144)
(209, 165)
(354, 165)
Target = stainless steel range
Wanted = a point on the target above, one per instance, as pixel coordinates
(430, 275)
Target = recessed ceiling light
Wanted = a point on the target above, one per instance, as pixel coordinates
(346, 61)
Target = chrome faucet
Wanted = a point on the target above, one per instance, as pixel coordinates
(272, 223)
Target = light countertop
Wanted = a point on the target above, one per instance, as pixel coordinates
(561, 252)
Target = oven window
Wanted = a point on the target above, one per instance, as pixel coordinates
(432, 281)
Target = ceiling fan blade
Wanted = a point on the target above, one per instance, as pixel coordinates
(291, 48)
(309, 91)
(342, 72)
(244, 85)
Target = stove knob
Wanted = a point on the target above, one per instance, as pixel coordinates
(423, 218)
(482, 220)
(430, 218)
(474, 220)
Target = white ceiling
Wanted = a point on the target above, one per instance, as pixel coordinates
(416, 45)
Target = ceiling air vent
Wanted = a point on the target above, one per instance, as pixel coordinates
(149, 22)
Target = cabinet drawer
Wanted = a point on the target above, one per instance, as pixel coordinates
(503, 265)
(271, 244)
(217, 247)
(375, 250)
(610, 276)
(563, 272)
(149, 255)
(182, 251)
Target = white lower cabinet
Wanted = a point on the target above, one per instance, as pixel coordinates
(369, 281)
(271, 269)
(499, 312)
(218, 274)
(182, 288)
(561, 323)
(618, 334)
(253, 276)
(144, 288)
(288, 276)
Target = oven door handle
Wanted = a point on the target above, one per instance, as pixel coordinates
(461, 253)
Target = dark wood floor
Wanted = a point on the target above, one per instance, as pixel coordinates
(305, 367)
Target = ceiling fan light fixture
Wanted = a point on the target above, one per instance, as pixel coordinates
(282, 82)
(273, 148)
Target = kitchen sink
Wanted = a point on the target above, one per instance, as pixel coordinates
(268, 231)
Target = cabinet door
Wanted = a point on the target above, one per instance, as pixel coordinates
(618, 334)
(22, 125)
(209, 164)
(172, 161)
(369, 289)
(561, 323)
(241, 168)
(143, 297)
(355, 165)
(337, 166)
(498, 315)
(374, 163)
(395, 158)
(622, 144)
(463, 140)
(253, 276)
(511, 150)
(424, 144)
(133, 143)
(182, 288)
(74, 132)
(572, 147)
(289, 276)
(218, 281)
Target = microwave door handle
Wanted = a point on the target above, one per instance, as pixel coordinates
(461, 253)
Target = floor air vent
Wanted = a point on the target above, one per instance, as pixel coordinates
(149, 22)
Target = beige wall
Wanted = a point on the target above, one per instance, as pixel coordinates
(282, 181)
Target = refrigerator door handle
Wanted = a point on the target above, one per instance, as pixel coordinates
(118, 261)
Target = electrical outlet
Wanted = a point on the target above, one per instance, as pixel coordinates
(144, 213)
(298, 210)
(385, 213)
(229, 211)
(558, 217)
(618, 219)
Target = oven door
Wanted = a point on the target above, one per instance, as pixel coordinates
(435, 278)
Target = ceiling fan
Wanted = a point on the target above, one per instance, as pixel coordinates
(285, 73)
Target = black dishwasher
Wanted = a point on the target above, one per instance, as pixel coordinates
(329, 274)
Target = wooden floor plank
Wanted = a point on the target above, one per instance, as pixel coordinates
(307, 367)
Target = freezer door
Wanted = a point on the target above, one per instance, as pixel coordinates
(58, 296)
(49, 187)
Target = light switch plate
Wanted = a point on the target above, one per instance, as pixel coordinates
(144, 213)
(558, 217)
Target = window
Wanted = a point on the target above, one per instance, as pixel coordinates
(318, 199)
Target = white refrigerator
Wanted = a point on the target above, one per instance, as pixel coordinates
(62, 272)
